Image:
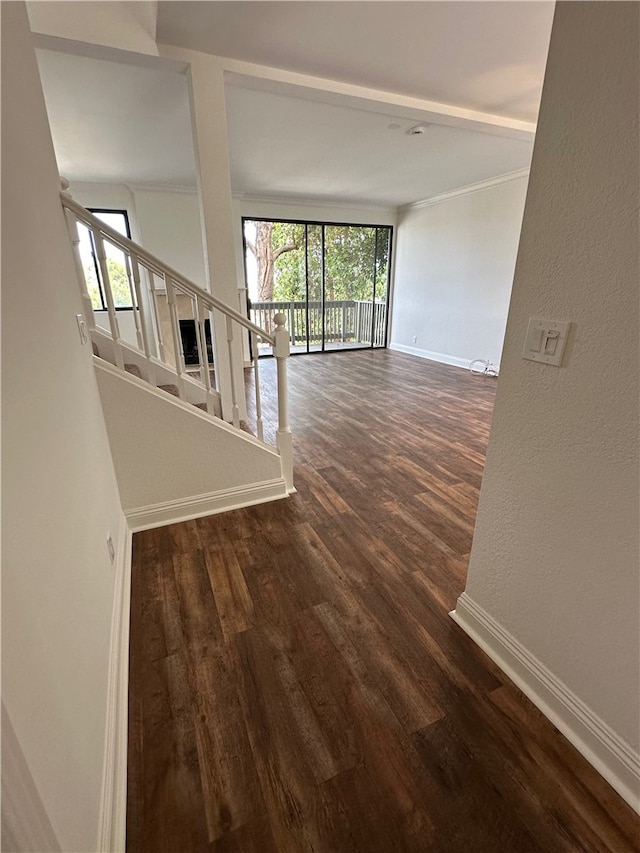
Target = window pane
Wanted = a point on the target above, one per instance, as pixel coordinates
(350, 253)
(314, 278)
(89, 267)
(116, 260)
(330, 280)
(117, 269)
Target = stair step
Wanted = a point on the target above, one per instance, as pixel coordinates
(170, 389)
(202, 406)
(134, 370)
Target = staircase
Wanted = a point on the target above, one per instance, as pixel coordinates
(150, 356)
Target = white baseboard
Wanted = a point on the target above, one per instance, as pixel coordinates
(453, 360)
(611, 756)
(113, 808)
(184, 509)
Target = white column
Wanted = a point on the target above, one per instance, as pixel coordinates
(209, 127)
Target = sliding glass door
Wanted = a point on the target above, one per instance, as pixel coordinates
(330, 280)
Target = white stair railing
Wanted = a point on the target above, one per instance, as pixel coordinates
(150, 351)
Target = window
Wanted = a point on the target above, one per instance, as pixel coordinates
(331, 280)
(115, 259)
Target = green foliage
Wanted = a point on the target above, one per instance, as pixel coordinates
(289, 270)
(119, 284)
(350, 260)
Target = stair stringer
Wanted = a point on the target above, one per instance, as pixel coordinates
(173, 461)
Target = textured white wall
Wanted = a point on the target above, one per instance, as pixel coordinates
(453, 274)
(555, 555)
(181, 456)
(59, 495)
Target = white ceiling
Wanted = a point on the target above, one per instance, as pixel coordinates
(487, 56)
(283, 146)
(129, 124)
(117, 123)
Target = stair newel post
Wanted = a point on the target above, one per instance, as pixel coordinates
(74, 236)
(108, 295)
(234, 390)
(284, 439)
(175, 331)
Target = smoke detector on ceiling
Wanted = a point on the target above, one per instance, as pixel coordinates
(417, 130)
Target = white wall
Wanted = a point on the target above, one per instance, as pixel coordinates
(555, 554)
(163, 453)
(171, 228)
(59, 490)
(453, 273)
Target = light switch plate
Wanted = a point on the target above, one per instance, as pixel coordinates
(545, 340)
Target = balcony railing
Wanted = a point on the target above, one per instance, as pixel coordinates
(350, 322)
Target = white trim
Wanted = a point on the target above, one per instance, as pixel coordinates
(611, 756)
(304, 201)
(254, 76)
(159, 187)
(184, 509)
(453, 360)
(25, 822)
(113, 806)
(466, 190)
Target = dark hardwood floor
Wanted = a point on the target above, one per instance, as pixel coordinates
(296, 683)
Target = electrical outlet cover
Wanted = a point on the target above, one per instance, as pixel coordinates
(545, 340)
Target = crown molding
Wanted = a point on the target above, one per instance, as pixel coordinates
(388, 209)
(163, 188)
(470, 188)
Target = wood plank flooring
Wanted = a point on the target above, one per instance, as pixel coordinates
(296, 683)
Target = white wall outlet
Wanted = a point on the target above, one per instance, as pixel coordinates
(111, 548)
(545, 340)
(415, 339)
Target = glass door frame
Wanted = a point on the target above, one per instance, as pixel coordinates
(389, 229)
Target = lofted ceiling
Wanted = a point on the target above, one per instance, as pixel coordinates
(117, 123)
(129, 124)
(284, 146)
(487, 56)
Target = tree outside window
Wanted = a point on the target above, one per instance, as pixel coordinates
(116, 262)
